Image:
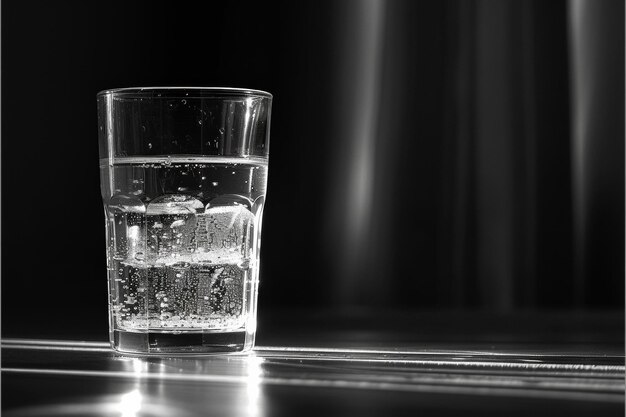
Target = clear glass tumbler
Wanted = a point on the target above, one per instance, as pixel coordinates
(183, 178)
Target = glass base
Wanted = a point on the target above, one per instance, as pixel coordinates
(168, 343)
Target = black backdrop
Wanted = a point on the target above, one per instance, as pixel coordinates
(460, 211)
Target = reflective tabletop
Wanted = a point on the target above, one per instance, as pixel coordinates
(352, 367)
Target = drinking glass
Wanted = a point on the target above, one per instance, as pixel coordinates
(183, 176)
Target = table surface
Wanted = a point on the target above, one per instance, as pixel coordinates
(394, 364)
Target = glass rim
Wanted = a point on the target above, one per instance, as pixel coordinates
(200, 92)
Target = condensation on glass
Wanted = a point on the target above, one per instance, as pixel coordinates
(183, 179)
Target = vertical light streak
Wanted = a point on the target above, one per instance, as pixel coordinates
(581, 98)
(359, 86)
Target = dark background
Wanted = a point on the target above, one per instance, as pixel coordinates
(425, 155)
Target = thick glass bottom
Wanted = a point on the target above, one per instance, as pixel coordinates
(182, 343)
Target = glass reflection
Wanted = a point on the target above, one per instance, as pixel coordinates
(130, 403)
(253, 387)
(231, 385)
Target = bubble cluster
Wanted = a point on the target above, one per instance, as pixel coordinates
(180, 296)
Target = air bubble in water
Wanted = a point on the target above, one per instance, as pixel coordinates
(126, 204)
(174, 204)
(231, 200)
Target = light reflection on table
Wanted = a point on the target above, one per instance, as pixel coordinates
(88, 378)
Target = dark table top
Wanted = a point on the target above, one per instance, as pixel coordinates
(349, 364)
